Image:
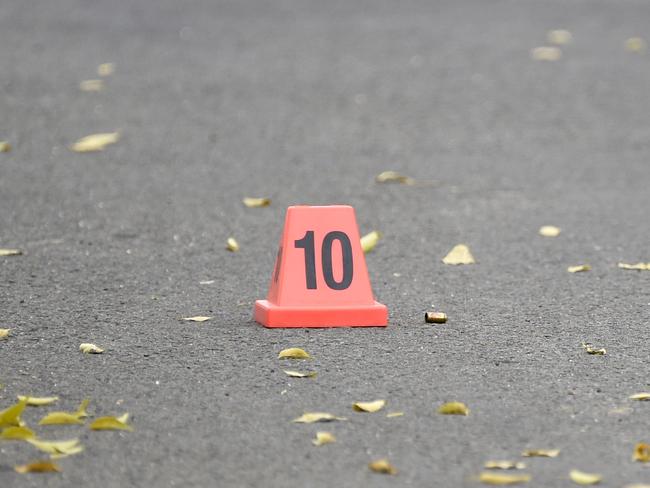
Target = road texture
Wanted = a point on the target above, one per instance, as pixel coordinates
(305, 102)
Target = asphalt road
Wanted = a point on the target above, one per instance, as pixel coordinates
(305, 102)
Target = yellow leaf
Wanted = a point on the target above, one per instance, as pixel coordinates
(642, 397)
(382, 466)
(88, 348)
(370, 407)
(393, 177)
(311, 417)
(106, 69)
(637, 266)
(95, 142)
(81, 411)
(559, 36)
(111, 423)
(549, 231)
(60, 418)
(579, 268)
(503, 464)
(635, 45)
(642, 452)
(546, 53)
(10, 252)
(37, 467)
(91, 85)
(54, 447)
(595, 352)
(198, 318)
(4, 333)
(70, 452)
(293, 353)
(10, 417)
(5, 146)
(453, 408)
(38, 401)
(256, 202)
(549, 453)
(370, 240)
(16, 433)
(298, 374)
(232, 245)
(323, 438)
(492, 478)
(581, 478)
(460, 254)
(435, 317)
(394, 414)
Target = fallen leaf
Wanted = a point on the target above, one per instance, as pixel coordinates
(17, 433)
(382, 466)
(370, 407)
(311, 417)
(323, 438)
(54, 447)
(293, 353)
(393, 177)
(5, 146)
(504, 464)
(206, 282)
(111, 423)
(4, 333)
(642, 452)
(38, 401)
(88, 348)
(453, 408)
(198, 318)
(10, 252)
(81, 410)
(70, 452)
(106, 69)
(635, 45)
(460, 254)
(637, 266)
(492, 478)
(91, 85)
(298, 374)
(435, 317)
(549, 231)
(95, 142)
(253, 202)
(582, 478)
(370, 240)
(559, 36)
(65, 418)
(642, 397)
(548, 453)
(546, 53)
(232, 245)
(37, 467)
(10, 417)
(394, 414)
(595, 352)
(579, 268)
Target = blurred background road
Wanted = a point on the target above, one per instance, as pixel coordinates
(306, 102)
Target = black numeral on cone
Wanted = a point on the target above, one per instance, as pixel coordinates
(307, 243)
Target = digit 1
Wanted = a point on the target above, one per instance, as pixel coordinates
(307, 243)
(348, 268)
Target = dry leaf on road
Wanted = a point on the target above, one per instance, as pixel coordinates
(198, 318)
(106, 69)
(88, 348)
(38, 401)
(460, 254)
(393, 177)
(382, 466)
(642, 397)
(17, 433)
(293, 353)
(637, 266)
(37, 467)
(546, 53)
(493, 478)
(548, 453)
(504, 464)
(55, 447)
(4, 333)
(593, 351)
(549, 231)
(10, 417)
(369, 407)
(370, 240)
(453, 408)
(392, 415)
(10, 252)
(323, 438)
(5, 146)
(311, 417)
(111, 423)
(254, 202)
(582, 478)
(232, 245)
(95, 142)
(642, 452)
(579, 268)
(298, 374)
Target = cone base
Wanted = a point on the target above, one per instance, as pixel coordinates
(270, 315)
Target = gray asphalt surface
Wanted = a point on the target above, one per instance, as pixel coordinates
(305, 102)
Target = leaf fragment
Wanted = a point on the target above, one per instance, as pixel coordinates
(637, 266)
(453, 408)
(323, 438)
(547, 453)
(81, 410)
(394, 177)
(369, 407)
(294, 353)
(38, 467)
(435, 317)
(635, 45)
(311, 417)
(641, 452)
(10, 417)
(4, 333)
(232, 245)
(91, 85)
(493, 478)
(5, 146)
(546, 53)
(504, 464)
(642, 397)
(60, 418)
(38, 401)
(198, 318)
(95, 142)
(549, 231)
(298, 374)
(592, 350)
(370, 240)
(382, 466)
(579, 268)
(88, 348)
(254, 202)
(559, 36)
(10, 252)
(460, 254)
(54, 447)
(70, 452)
(106, 69)
(17, 433)
(391, 415)
(582, 478)
(111, 423)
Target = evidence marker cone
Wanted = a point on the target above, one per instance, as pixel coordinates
(320, 277)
